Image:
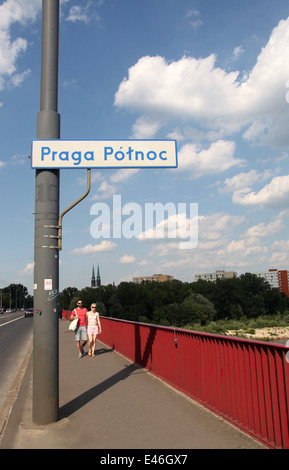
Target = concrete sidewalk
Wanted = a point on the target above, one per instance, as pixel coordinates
(106, 402)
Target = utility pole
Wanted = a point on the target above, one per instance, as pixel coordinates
(46, 253)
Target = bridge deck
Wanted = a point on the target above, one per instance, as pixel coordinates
(106, 402)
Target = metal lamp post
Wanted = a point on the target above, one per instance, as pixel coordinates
(46, 255)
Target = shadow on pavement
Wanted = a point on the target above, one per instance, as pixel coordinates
(71, 407)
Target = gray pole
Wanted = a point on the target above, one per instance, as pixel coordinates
(46, 257)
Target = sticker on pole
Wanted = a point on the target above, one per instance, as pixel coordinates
(47, 284)
(104, 154)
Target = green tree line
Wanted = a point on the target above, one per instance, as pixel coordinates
(16, 296)
(177, 303)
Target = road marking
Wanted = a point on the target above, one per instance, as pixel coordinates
(11, 321)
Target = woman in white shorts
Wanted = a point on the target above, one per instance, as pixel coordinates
(93, 328)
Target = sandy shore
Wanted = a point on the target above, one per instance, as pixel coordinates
(272, 334)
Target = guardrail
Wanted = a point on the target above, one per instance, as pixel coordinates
(245, 382)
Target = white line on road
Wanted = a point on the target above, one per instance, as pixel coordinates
(11, 321)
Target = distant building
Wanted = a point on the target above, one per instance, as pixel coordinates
(155, 278)
(276, 278)
(219, 274)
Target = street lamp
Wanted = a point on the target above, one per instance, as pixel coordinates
(46, 259)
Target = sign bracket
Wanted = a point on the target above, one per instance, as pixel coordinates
(59, 246)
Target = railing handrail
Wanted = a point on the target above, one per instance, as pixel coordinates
(202, 333)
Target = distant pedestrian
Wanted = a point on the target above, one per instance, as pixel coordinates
(80, 331)
(93, 328)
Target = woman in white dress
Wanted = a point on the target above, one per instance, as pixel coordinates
(93, 328)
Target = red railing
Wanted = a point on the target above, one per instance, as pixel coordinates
(246, 382)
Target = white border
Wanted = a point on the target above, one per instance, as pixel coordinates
(166, 151)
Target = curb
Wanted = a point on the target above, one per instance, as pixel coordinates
(13, 393)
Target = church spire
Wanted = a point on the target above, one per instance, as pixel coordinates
(98, 280)
(93, 278)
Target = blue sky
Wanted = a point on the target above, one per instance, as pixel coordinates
(212, 75)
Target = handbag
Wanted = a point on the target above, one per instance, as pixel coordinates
(73, 324)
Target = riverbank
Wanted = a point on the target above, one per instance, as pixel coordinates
(272, 334)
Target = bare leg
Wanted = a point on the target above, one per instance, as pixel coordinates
(90, 344)
(78, 348)
(93, 344)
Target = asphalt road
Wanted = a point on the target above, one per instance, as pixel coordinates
(15, 338)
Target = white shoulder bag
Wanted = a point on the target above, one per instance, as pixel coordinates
(73, 324)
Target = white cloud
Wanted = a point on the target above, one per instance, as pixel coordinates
(26, 12)
(17, 160)
(190, 88)
(127, 259)
(217, 158)
(28, 270)
(104, 191)
(166, 249)
(193, 17)
(196, 90)
(244, 180)
(246, 247)
(214, 232)
(175, 226)
(146, 127)
(180, 263)
(263, 230)
(123, 175)
(281, 245)
(218, 226)
(14, 11)
(70, 83)
(77, 13)
(84, 13)
(21, 11)
(144, 262)
(18, 78)
(275, 194)
(279, 259)
(96, 176)
(90, 249)
(238, 51)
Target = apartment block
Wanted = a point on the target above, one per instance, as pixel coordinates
(276, 278)
(154, 277)
(219, 274)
